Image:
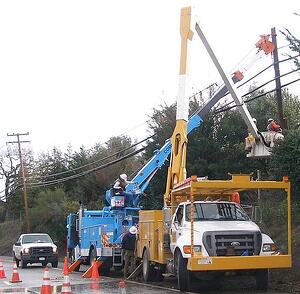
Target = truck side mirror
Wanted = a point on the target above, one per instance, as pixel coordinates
(18, 244)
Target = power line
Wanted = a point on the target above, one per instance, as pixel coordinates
(48, 183)
(91, 163)
(266, 68)
(256, 97)
(257, 88)
(57, 181)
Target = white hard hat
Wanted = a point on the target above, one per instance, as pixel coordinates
(133, 230)
(270, 119)
(123, 177)
(254, 120)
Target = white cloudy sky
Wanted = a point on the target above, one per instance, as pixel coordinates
(79, 72)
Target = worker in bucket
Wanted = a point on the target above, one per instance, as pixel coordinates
(128, 245)
(273, 126)
(131, 199)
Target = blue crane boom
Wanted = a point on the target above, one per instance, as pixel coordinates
(147, 172)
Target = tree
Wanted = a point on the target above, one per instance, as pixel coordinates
(294, 44)
(49, 213)
(9, 170)
(285, 161)
(217, 146)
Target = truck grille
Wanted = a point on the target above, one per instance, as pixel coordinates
(232, 243)
(41, 251)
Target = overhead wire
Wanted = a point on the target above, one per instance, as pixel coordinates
(57, 181)
(47, 183)
(140, 150)
(256, 97)
(260, 72)
(92, 163)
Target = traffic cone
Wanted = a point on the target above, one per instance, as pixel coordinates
(66, 266)
(46, 287)
(95, 272)
(15, 278)
(122, 287)
(66, 287)
(2, 272)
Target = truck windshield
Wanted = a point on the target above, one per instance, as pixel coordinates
(216, 211)
(36, 239)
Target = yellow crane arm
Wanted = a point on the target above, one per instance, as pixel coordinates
(177, 168)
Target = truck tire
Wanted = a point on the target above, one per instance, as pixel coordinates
(183, 275)
(23, 263)
(262, 279)
(148, 270)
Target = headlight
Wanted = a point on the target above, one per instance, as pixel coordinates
(268, 247)
(187, 249)
(54, 249)
(26, 250)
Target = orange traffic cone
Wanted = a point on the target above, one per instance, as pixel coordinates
(15, 278)
(2, 272)
(66, 266)
(95, 272)
(46, 287)
(122, 287)
(66, 287)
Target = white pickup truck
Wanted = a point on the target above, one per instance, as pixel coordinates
(221, 228)
(35, 248)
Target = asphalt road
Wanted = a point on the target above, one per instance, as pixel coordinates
(32, 279)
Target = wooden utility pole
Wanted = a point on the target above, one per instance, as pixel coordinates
(277, 81)
(23, 175)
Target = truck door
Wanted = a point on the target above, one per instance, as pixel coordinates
(176, 227)
(73, 238)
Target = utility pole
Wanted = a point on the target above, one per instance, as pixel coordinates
(23, 174)
(282, 121)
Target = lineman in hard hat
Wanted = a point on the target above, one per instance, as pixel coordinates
(273, 126)
(119, 189)
(128, 245)
(120, 184)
